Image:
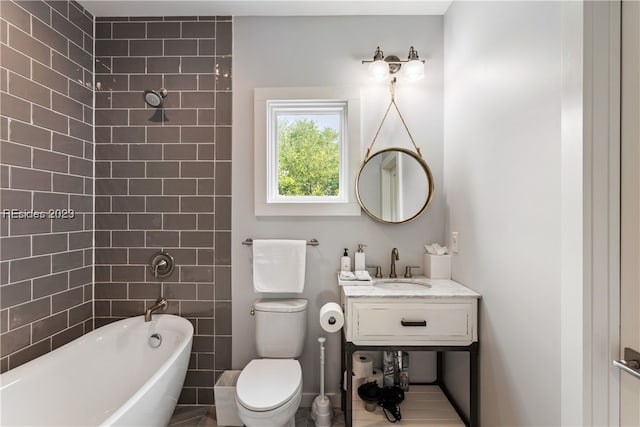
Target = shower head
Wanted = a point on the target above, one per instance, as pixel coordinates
(155, 98)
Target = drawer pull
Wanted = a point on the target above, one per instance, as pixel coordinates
(413, 322)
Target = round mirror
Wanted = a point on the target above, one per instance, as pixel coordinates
(394, 186)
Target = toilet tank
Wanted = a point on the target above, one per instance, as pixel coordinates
(281, 327)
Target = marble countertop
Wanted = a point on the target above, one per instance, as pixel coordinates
(417, 287)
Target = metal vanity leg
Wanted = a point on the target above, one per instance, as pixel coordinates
(439, 368)
(343, 384)
(348, 413)
(474, 416)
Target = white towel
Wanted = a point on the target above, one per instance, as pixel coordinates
(278, 265)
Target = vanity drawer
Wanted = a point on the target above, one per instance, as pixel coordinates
(414, 323)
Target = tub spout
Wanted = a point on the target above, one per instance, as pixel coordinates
(161, 304)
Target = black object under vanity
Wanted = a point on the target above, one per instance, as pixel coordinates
(441, 318)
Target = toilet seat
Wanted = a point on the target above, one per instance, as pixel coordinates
(266, 384)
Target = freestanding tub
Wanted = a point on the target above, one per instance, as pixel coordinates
(121, 374)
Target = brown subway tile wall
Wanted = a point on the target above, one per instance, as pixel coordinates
(156, 173)
(46, 158)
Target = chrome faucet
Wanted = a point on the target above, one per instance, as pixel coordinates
(394, 257)
(161, 304)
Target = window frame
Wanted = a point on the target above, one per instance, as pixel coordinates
(270, 101)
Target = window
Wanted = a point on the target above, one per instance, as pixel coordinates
(306, 151)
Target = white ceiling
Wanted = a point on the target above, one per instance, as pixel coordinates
(264, 7)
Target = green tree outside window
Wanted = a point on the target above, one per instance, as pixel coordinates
(308, 159)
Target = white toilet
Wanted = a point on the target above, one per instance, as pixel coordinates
(269, 390)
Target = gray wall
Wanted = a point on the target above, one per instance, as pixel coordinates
(163, 179)
(326, 51)
(502, 175)
(46, 156)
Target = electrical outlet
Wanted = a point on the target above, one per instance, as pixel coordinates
(454, 242)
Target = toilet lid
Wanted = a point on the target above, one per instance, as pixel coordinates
(265, 384)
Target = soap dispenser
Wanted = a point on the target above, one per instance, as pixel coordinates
(359, 264)
(345, 261)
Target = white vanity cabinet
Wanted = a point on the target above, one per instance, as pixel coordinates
(412, 315)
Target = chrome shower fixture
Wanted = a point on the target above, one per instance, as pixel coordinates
(162, 264)
(155, 98)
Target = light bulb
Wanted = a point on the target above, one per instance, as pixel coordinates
(414, 70)
(379, 70)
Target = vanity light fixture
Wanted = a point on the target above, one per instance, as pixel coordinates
(414, 69)
(381, 67)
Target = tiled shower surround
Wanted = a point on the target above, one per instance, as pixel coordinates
(46, 167)
(163, 179)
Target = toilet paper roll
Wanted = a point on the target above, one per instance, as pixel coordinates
(331, 317)
(357, 382)
(362, 366)
(376, 376)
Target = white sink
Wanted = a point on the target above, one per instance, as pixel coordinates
(401, 284)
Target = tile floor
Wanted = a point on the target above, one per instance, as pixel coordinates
(193, 416)
(202, 416)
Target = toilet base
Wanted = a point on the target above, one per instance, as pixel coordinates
(285, 416)
(290, 423)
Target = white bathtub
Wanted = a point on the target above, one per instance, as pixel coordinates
(111, 376)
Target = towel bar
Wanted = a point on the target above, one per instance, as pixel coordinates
(312, 242)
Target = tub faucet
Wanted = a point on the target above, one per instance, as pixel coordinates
(161, 304)
(394, 257)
